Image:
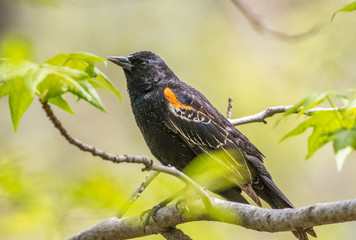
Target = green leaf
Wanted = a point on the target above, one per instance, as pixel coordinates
(88, 57)
(308, 103)
(80, 61)
(344, 138)
(105, 80)
(20, 98)
(344, 144)
(58, 60)
(323, 123)
(89, 94)
(352, 104)
(61, 103)
(298, 130)
(19, 82)
(329, 125)
(341, 156)
(348, 8)
(86, 62)
(75, 73)
(59, 80)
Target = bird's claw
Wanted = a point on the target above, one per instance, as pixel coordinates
(151, 213)
(182, 205)
(146, 220)
(182, 208)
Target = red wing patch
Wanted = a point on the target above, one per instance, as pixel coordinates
(172, 99)
(185, 112)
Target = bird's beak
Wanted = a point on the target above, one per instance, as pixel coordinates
(123, 62)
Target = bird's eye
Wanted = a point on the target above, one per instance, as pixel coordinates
(142, 65)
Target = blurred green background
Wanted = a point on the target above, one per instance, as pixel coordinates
(50, 190)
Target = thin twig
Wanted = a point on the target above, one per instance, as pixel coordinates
(261, 116)
(229, 108)
(138, 191)
(258, 25)
(93, 150)
(270, 111)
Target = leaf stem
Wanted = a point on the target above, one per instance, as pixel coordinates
(336, 111)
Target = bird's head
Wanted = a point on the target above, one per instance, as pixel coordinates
(144, 70)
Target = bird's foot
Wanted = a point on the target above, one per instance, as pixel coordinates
(183, 205)
(151, 213)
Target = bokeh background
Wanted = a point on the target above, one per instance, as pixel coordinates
(50, 190)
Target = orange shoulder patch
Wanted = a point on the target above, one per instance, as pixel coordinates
(172, 99)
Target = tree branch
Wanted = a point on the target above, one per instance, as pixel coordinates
(261, 116)
(270, 111)
(149, 165)
(248, 216)
(258, 25)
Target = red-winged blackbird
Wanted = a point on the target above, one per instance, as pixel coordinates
(178, 123)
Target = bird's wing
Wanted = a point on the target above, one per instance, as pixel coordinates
(201, 126)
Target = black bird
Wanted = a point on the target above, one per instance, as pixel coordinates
(178, 124)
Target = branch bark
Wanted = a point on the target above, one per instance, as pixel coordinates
(261, 116)
(248, 216)
(271, 111)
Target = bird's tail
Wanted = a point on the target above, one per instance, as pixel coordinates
(269, 192)
(301, 234)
